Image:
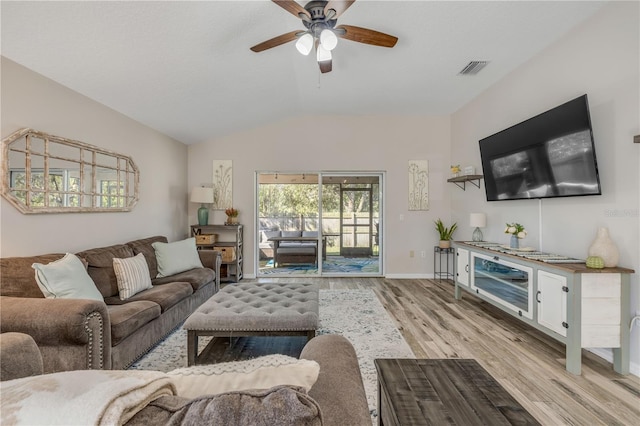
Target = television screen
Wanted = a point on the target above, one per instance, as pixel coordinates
(549, 155)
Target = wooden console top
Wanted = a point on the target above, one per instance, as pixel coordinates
(577, 268)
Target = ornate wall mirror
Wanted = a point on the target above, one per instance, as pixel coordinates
(43, 173)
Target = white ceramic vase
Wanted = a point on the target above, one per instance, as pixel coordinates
(604, 247)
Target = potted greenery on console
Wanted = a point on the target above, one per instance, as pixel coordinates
(446, 234)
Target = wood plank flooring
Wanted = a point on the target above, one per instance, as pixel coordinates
(526, 362)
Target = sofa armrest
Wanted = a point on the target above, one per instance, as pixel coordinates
(212, 259)
(19, 356)
(339, 390)
(72, 334)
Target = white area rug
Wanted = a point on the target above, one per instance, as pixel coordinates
(356, 314)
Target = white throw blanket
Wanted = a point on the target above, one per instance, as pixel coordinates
(87, 397)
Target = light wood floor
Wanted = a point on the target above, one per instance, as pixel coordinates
(526, 362)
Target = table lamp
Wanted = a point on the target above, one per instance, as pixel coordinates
(204, 196)
(479, 220)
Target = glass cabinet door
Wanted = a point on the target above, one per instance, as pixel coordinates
(504, 282)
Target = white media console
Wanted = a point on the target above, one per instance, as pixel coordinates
(581, 307)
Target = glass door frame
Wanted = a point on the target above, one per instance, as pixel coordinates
(354, 250)
(321, 174)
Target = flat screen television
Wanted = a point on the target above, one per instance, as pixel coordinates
(549, 155)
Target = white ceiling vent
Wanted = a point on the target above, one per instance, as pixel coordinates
(473, 67)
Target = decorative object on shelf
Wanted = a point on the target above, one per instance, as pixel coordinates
(204, 196)
(455, 170)
(517, 232)
(206, 239)
(445, 233)
(469, 170)
(232, 216)
(595, 262)
(604, 247)
(222, 184)
(478, 220)
(418, 185)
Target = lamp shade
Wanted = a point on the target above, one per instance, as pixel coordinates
(202, 195)
(478, 220)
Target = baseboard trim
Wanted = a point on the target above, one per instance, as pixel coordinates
(409, 276)
(607, 355)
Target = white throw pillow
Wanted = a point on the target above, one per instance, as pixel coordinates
(132, 275)
(66, 278)
(176, 257)
(259, 373)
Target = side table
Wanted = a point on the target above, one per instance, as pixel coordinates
(438, 255)
(444, 392)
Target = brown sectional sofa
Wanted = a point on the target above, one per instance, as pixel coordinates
(76, 334)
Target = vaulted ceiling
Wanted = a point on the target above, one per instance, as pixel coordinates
(185, 68)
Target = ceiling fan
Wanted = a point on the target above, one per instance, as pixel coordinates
(320, 18)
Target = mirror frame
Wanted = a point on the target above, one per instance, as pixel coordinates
(85, 150)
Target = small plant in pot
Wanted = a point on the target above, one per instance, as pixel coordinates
(446, 234)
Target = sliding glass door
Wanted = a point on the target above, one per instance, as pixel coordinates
(288, 223)
(351, 223)
(297, 234)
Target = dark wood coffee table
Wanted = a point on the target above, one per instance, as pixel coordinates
(444, 392)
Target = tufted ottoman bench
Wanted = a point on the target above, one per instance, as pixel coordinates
(250, 309)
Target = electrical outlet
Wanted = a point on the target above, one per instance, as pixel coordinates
(411, 253)
(423, 254)
(402, 219)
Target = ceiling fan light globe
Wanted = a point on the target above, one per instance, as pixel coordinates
(305, 44)
(323, 54)
(328, 39)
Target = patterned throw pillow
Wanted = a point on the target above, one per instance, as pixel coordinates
(132, 275)
(259, 373)
(66, 278)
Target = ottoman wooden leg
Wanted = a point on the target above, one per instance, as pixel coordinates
(192, 347)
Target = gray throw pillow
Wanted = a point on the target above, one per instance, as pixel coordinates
(176, 257)
(281, 405)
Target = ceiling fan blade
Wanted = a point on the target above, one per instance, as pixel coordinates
(365, 35)
(292, 7)
(339, 6)
(276, 41)
(325, 66)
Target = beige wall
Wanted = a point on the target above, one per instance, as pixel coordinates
(30, 100)
(601, 58)
(338, 143)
